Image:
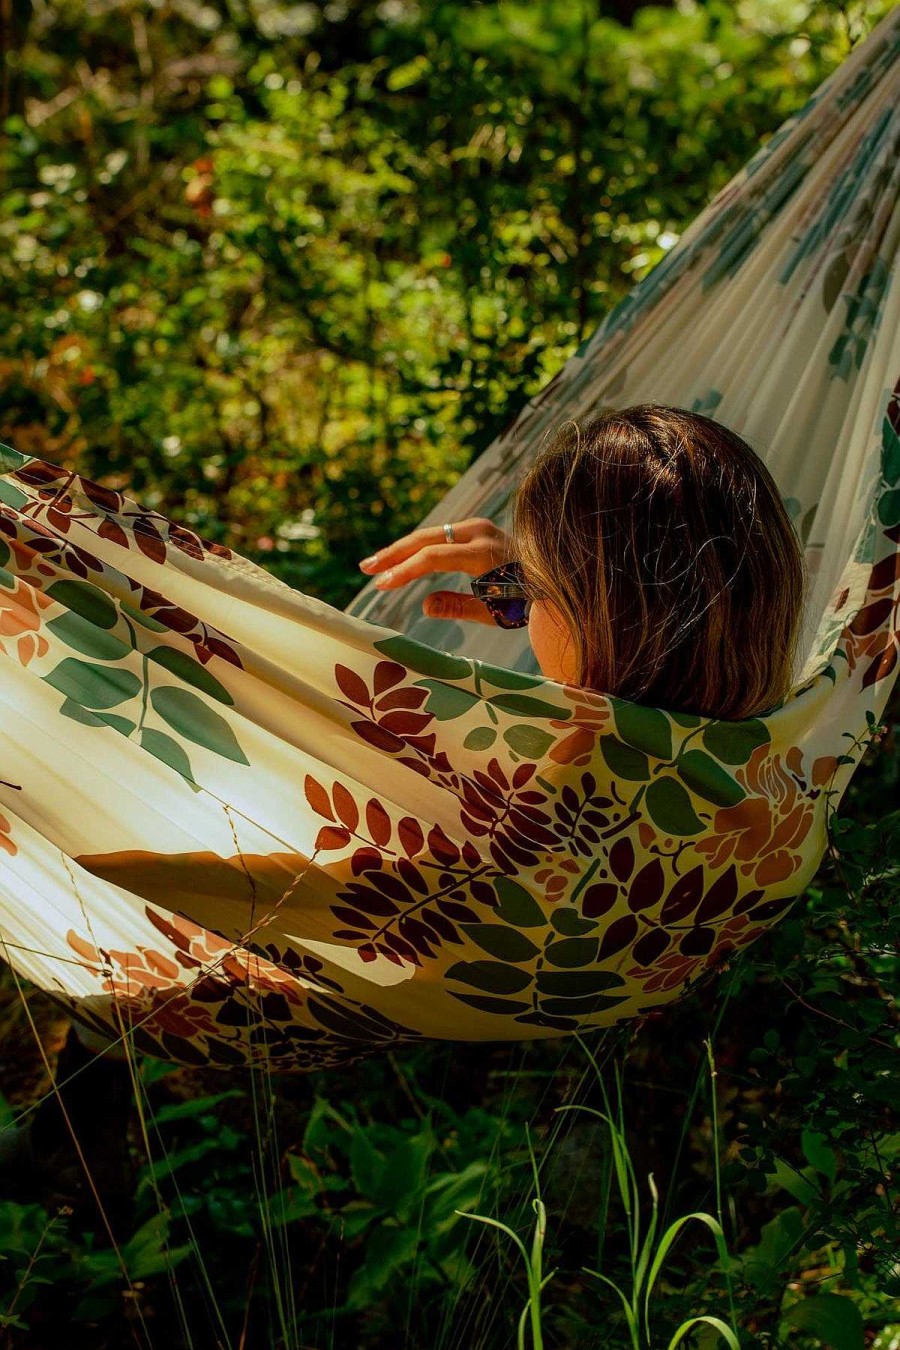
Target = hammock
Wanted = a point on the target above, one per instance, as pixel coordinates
(241, 826)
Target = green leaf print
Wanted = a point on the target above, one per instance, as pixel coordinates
(530, 742)
(508, 944)
(734, 742)
(889, 508)
(187, 714)
(669, 807)
(569, 953)
(85, 637)
(525, 706)
(708, 779)
(482, 738)
(69, 708)
(517, 906)
(624, 760)
(890, 453)
(166, 749)
(494, 977)
(87, 600)
(576, 983)
(505, 1007)
(192, 672)
(12, 496)
(93, 686)
(145, 620)
(569, 923)
(507, 679)
(424, 660)
(447, 701)
(645, 729)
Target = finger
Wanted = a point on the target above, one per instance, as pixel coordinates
(468, 558)
(455, 605)
(464, 532)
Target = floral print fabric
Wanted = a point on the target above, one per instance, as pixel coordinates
(246, 827)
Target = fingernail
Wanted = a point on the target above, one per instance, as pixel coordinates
(385, 579)
(369, 562)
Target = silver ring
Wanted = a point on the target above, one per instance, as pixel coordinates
(448, 534)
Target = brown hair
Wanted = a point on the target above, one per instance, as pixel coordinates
(664, 541)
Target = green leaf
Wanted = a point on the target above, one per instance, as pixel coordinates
(365, 1164)
(191, 671)
(387, 1253)
(423, 660)
(93, 686)
(574, 984)
(508, 944)
(187, 714)
(168, 750)
(734, 742)
(87, 600)
(492, 976)
(12, 495)
(669, 807)
(140, 617)
(624, 760)
(529, 742)
(523, 705)
(502, 678)
(818, 1153)
(447, 701)
(831, 1318)
(889, 508)
(569, 953)
(504, 1007)
(643, 728)
(569, 922)
(87, 638)
(518, 906)
(482, 738)
(708, 779)
(69, 708)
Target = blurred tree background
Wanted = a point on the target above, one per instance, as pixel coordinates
(282, 270)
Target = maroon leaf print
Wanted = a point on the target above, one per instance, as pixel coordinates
(369, 900)
(401, 698)
(647, 888)
(871, 617)
(365, 859)
(387, 673)
(881, 667)
(405, 723)
(378, 822)
(112, 530)
(352, 916)
(458, 912)
(412, 876)
(442, 848)
(697, 942)
(409, 832)
(619, 935)
(381, 739)
(345, 806)
(651, 946)
(151, 543)
(351, 686)
(330, 837)
(104, 497)
(684, 896)
(720, 896)
(441, 924)
(317, 797)
(599, 899)
(621, 859)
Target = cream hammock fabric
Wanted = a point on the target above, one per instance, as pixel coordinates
(248, 827)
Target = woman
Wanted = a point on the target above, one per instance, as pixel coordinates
(654, 560)
(651, 557)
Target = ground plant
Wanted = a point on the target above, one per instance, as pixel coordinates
(283, 270)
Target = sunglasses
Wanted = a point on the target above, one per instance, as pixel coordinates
(502, 589)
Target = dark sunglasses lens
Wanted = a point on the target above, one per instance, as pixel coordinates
(510, 613)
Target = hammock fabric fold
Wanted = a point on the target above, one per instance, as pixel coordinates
(245, 827)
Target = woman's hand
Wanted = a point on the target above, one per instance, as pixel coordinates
(478, 545)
